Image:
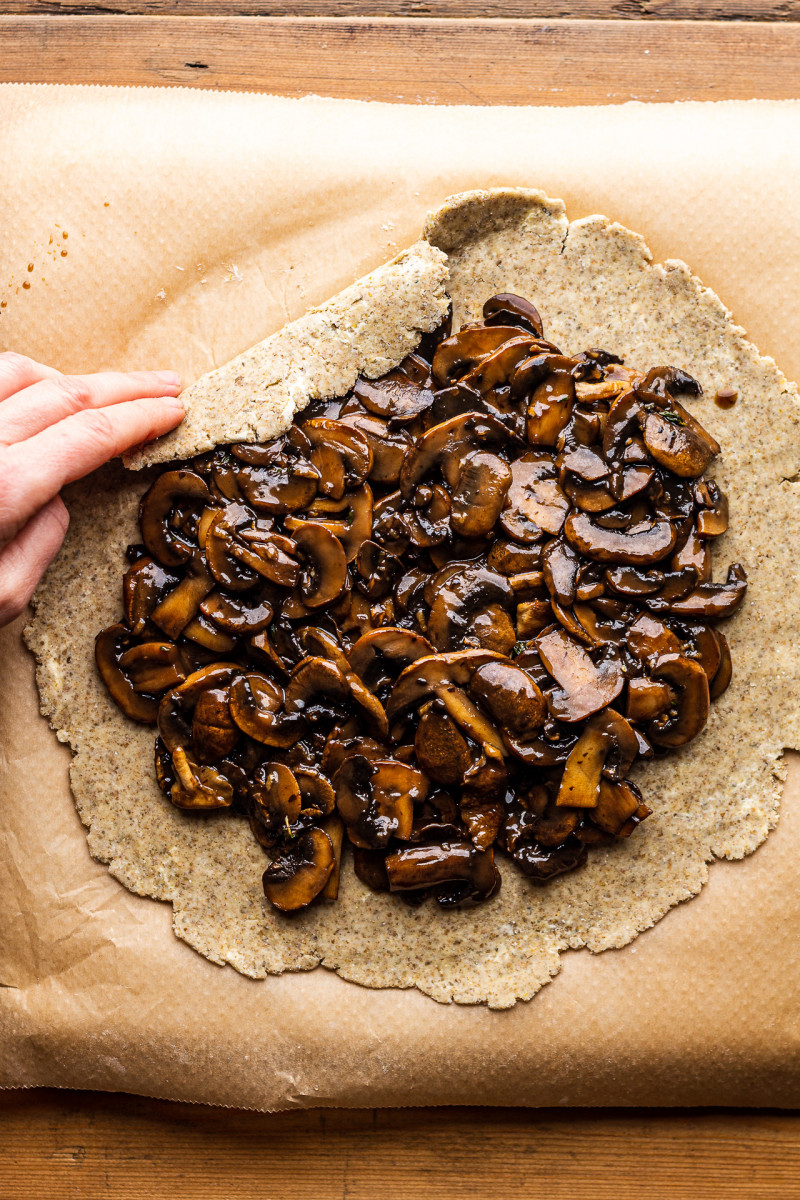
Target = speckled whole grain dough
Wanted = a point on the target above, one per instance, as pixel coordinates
(367, 329)
(595, 284)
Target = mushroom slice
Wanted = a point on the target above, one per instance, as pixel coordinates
(456, 594)
(311, 679)
(639, 547)
(377, 570)
(275, 793)
(444, 676)
(510, 697)
(255, 702)
(684, 449)
(535, 504)
(543, 863)
(648, 638)
(176, 705)
(510, 558)
(277, 477)
(482, 818)
(268, 554)
(206, 634)
(334, 827)
(550, 408)
(492, 629)
(647, 698)
(392, 397)
(617, 802)
(179, 489)
(693, 553)
(144, 586)
(176, 610)
(443, 862)
(560, 564)
(507, 309)
(300, 874)
(388, 446)
(555, 825)
(722, 678)
(108, 648)
(224, 556)
(390, 644)
(445, 446)
(607, 736)
(441, 749)
(376, 799)
(325, 645)
(236, 615)
(710, 601)
(152, 666)
(583, 688)
(494, 369)
(315, 790)
(214, 732)
(712, 520)
(324, 577)
(689, 713)
(348, 519)
(479, 495)
(198, 788)
(340, 453)
(532, 617)
(457, 355)
(428, 518)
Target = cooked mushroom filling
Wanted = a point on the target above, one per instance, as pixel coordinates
(440, 617)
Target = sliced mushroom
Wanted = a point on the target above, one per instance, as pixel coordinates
(444, 676)
(535, 504)
(675, 444)
(583, 688)
(441, 749)
(456, 594)
(108, 648)
(324, 577)
(458, 354)
(152, 667)
(214, 732)
(144, 586)
(446, 446)
(709, 600)
(177, 609)
(617, 802)
(722, 678)
(482, 818)
(292, 881)
(255, 702)
(550, 408)
(275, 793)
(443, 862)
(376, 799)
(340, 453)
(712, 520)
(607, 736)
(510, 697)
(196, 787)
(173, 489)
(507, 309)
(238, 616)
(647, 698)
(479, 495)
(689, 714)
(640, 546)
(560, 564)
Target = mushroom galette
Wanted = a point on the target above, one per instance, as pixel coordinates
(440, 616)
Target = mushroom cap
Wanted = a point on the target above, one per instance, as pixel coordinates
(445, 447)
(325, 576)
(480, 494)
(107, 652)
(535, 505)
(583, 687)
(172, 489)
(301, 872)
(690, 713)
(641, 546)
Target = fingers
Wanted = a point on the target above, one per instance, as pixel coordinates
(27, 556)
(17, 372)
(33, 471)
(49, 399)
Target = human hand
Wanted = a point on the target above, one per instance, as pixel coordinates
(55, 428)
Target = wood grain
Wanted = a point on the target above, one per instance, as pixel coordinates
(675, 10)
(54, 1145)
(421, 61)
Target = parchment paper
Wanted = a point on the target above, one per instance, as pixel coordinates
(198, 223)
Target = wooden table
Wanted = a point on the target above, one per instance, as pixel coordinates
(553, 52)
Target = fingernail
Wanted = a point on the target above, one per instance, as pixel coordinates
(170, 377)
